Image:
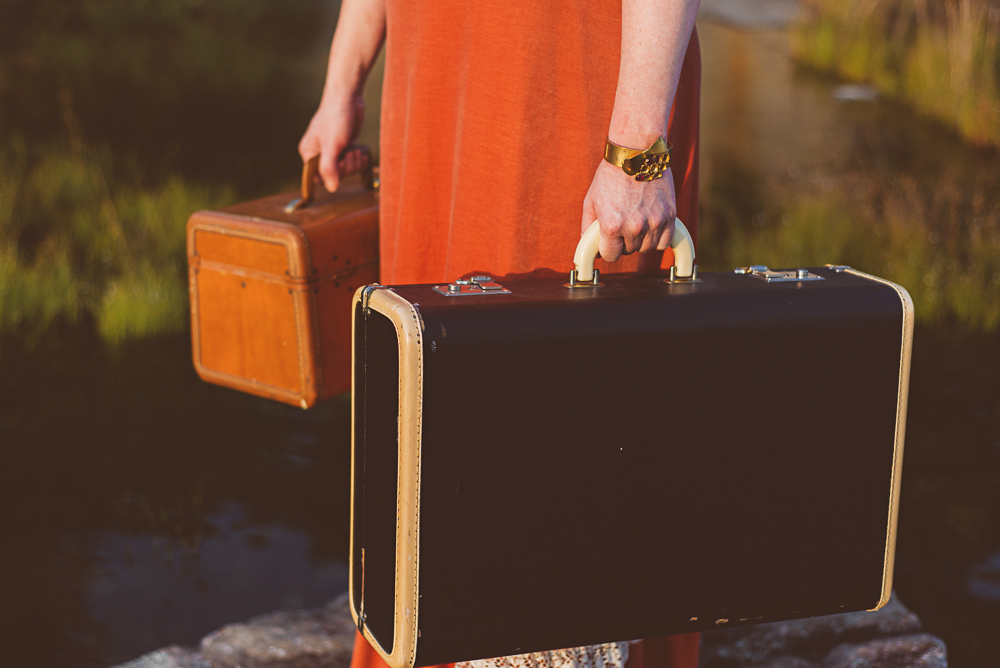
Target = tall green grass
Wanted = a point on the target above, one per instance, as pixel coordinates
(943, 57)
(118, 119)
(78, 236)
(942, 245)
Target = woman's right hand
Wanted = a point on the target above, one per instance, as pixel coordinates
(356, 43)
(334, 126)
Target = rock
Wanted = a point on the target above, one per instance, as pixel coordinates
(787, 662)
(855, 93)
(809, 639)
(322, 638)
(751, 14)
(169, 657)
(916, 651)
(984, 579)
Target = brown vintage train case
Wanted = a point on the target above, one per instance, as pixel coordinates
(537, 466)
(271, 288)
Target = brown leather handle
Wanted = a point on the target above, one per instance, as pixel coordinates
(311, 168)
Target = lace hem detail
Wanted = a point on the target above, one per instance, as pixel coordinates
(608, 655)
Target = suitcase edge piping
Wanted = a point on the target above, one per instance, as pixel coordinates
(897, 456)
(409, 333)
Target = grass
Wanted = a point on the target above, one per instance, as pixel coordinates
(80, 238)
(960, 283)
(75, 240)
(118, 119)
(943, 58)
(941, 244)
(86, 231)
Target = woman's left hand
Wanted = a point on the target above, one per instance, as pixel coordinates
(634, 215)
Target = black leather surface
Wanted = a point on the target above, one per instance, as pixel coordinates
(646, 459)
(375, 472)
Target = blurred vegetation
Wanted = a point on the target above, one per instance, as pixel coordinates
(118, 119)
(941, 56)
(216, 90)
(71, 243)
(932, 227)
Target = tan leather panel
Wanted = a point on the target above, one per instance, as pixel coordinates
(292, 347)
(248, 328)
(351, 196)
(239, 251)
(345, 245)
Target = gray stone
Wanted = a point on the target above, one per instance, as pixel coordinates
(810, 639)
(322, 638)
(751, 14)
(855, 93)
(169, 657)
(787, 662)
(916, 651)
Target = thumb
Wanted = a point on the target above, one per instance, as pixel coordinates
(589, 216)
(611, 246)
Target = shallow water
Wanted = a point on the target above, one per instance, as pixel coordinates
(778, 146)
(144, 507)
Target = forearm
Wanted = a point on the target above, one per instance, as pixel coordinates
(655, 35)
(356, 43)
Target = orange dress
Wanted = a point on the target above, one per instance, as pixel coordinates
(494, 118)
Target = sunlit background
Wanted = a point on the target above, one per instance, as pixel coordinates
(142, 507)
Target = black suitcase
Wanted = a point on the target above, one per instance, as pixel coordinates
(540, 464)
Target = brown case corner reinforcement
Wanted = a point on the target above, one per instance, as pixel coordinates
(271, 291)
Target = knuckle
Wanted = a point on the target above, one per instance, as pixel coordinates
(612, 224)
(635, 227)
(658, 218)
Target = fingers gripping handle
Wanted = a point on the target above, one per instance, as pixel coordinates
(309, 171)
(586, 251)
(683, 247)
(311, 168)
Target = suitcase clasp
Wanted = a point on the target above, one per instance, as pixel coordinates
(761, 272)
(477, 285)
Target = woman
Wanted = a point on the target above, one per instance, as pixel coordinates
(496, 117)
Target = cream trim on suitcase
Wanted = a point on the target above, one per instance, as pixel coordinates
(897, 456)
(409, 333)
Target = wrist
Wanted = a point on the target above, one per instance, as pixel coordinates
(642, 164)
(343, 86)
(342, 100)
(347, 70)
(638, 130)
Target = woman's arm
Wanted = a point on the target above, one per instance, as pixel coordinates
(356, 43)
(639, 216)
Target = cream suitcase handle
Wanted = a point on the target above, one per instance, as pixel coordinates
(587, 249)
